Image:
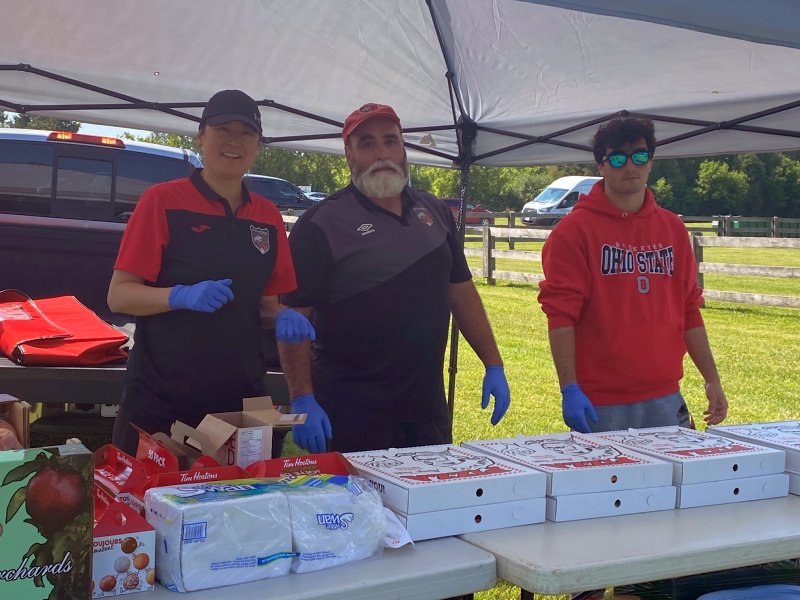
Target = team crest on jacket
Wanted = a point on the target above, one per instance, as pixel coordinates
(260, 238)
(424, 216)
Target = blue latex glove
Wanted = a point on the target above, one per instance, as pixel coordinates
(574, 408)
(292, 327)
(205, 296)
(313, 435)
(495, 384)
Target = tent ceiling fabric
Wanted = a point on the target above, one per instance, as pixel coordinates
(533, 76)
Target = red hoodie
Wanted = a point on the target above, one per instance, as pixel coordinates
(627, 283)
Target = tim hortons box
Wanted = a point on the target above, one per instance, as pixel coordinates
(697, 456)
(783, 435)
(573, 507)
(576, 465)
(46, 537)
(117, 475)
(455, 521)
(733, 490)
(431, 478)
(289, 467)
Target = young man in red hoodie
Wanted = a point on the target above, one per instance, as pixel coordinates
(621, 298)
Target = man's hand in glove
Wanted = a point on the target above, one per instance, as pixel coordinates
(495, 384)
(292, 327)
(574, 408)
(313, 435)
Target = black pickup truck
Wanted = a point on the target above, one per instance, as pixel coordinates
(64, 201)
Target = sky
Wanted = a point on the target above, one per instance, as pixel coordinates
(91, 129)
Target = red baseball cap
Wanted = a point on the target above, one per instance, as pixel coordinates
(365, 113)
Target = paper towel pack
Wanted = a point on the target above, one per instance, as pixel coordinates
(337, 523)
(221, 533)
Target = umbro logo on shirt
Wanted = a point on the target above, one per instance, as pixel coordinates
(366, 228)
(201, 228)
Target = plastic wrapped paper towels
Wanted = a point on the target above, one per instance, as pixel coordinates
(221, 533)
(335, 524)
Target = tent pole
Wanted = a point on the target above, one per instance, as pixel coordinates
(466, 135)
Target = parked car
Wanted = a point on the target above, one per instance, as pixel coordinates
(556, 200)
(64, 200)
(317, 196)
(474, 216)
(284, 194)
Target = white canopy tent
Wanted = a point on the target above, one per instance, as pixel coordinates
(530, 80)
(487, 82)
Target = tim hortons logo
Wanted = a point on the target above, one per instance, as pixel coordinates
(298, 462)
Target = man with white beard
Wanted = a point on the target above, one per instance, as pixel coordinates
(379, 270)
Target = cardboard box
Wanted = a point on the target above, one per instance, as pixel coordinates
(733, 490)
(794, 482)
(121, 477)
(429, 478)
(17, 413)
(118, 475)
(573, 507)
(455, 521)
(697, 456)
(576, 464)
(123, 551)
(46, 505)
(326, 463)
(784, 435)
(237, 438)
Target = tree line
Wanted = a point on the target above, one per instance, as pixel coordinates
(740, 184)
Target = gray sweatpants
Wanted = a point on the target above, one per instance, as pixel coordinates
(658, 412)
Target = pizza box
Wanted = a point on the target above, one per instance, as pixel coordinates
(576, 464)
(794, 482)
(573, 507)
(441, 477)
(784, 435)
(455, 521)
(697, 456)
(733, 490)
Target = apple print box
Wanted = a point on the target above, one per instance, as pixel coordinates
(429, 478)
(784, 435)
(698, 456)
(576, 464)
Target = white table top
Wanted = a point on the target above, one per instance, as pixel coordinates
(557, 558)
(431, 570)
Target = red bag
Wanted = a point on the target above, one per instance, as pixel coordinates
(56, 332)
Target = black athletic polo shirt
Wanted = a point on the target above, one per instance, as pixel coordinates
(379, 285)
(185, 364)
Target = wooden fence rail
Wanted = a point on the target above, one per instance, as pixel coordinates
(722, 225)
(699, 241)
(489, 255)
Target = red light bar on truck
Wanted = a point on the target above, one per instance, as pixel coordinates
(82, 138)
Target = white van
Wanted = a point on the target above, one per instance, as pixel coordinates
(556, 200)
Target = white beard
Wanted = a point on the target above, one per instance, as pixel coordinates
(382, 184)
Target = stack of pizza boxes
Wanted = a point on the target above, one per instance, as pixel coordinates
(444, 490)
(709, 469)
(588, 478)
(783, 435)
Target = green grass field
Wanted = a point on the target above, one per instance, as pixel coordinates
(757, 351)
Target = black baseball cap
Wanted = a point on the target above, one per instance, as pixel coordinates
(232, 105)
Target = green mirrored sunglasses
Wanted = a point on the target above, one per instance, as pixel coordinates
(618, 159)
